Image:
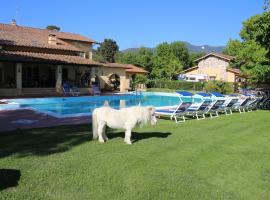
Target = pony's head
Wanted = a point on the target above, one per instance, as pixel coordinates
(153, 119)
(148, 115)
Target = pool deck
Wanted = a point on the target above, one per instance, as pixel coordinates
(27, 119)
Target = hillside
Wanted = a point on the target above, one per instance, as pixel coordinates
(192, 48)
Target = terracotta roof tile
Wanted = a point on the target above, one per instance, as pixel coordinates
(135, 69)
(129, 67)
(219, 55)
(189, 69)
(34, 37)
(19, 56)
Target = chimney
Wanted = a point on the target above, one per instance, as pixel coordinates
(52, 39)
(13, 22)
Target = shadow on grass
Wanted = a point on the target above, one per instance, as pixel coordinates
(9, 178)
(43, 141)
(139, 136)
(46, 141)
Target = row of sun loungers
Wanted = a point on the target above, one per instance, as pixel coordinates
(202, 104)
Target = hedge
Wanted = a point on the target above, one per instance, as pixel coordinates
(175, 85)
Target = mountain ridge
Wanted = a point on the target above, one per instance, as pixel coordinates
(192, 48)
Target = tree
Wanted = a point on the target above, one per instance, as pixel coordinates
(180, 51)
(233, 47)
(266, 5)
(253, 52)
(107, 50)
(166, 62)
(257, 28)
(143, 58)
(53, 28)
(252, 58)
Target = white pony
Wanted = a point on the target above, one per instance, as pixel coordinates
(125, 118)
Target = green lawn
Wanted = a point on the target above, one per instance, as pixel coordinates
(221, 158)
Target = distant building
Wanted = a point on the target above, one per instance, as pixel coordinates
(213, 66)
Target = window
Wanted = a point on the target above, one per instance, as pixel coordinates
(82, 54)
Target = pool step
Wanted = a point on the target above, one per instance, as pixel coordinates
(38, 91)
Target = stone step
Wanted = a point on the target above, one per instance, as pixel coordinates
(38, 91)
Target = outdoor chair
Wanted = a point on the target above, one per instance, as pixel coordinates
(214, 108)
(70, 90)
(228, 105)
(200, 108)
(179, 111)
(96, 90)
(241, 104)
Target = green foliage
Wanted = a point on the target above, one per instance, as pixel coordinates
(233, 47)
(107, 51)
(266, 5)
(257, 28)
(166, 62)
(53, 27)
(175, 85)
(219, 86)
(139, 79)
(169, 60)
(253, 53)
(143, 58)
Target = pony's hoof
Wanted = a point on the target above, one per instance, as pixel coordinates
(101, 141)
(128, 142)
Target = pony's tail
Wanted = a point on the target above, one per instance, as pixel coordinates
(94, 125)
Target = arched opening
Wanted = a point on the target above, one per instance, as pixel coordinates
(85, 79)
(114, 82)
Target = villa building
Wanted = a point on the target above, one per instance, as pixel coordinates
(36, 60)
(213, 66)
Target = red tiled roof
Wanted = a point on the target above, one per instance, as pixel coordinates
(189, 69)
(135, 69)
(33, 37)
(19, 56)
(129, 67)
(219, 55)
(236, 71)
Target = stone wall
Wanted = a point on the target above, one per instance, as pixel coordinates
(84, 46)
(215, 67)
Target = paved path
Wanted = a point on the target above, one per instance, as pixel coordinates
(25, 119)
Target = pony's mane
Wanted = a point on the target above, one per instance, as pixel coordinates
(144, 115)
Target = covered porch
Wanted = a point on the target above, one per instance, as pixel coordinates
(34, 74)
(18, 79)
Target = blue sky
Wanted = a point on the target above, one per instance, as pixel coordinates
(135, 23)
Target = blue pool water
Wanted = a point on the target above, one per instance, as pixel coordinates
(80, 106)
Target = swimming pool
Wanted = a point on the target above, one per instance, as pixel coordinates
(83, 106)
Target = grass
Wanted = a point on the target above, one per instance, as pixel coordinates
(221, 158)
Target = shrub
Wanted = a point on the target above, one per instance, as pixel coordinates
(139, 79)
(219, 86)
(175, 85)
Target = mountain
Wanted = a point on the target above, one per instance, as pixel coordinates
(192, 48)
